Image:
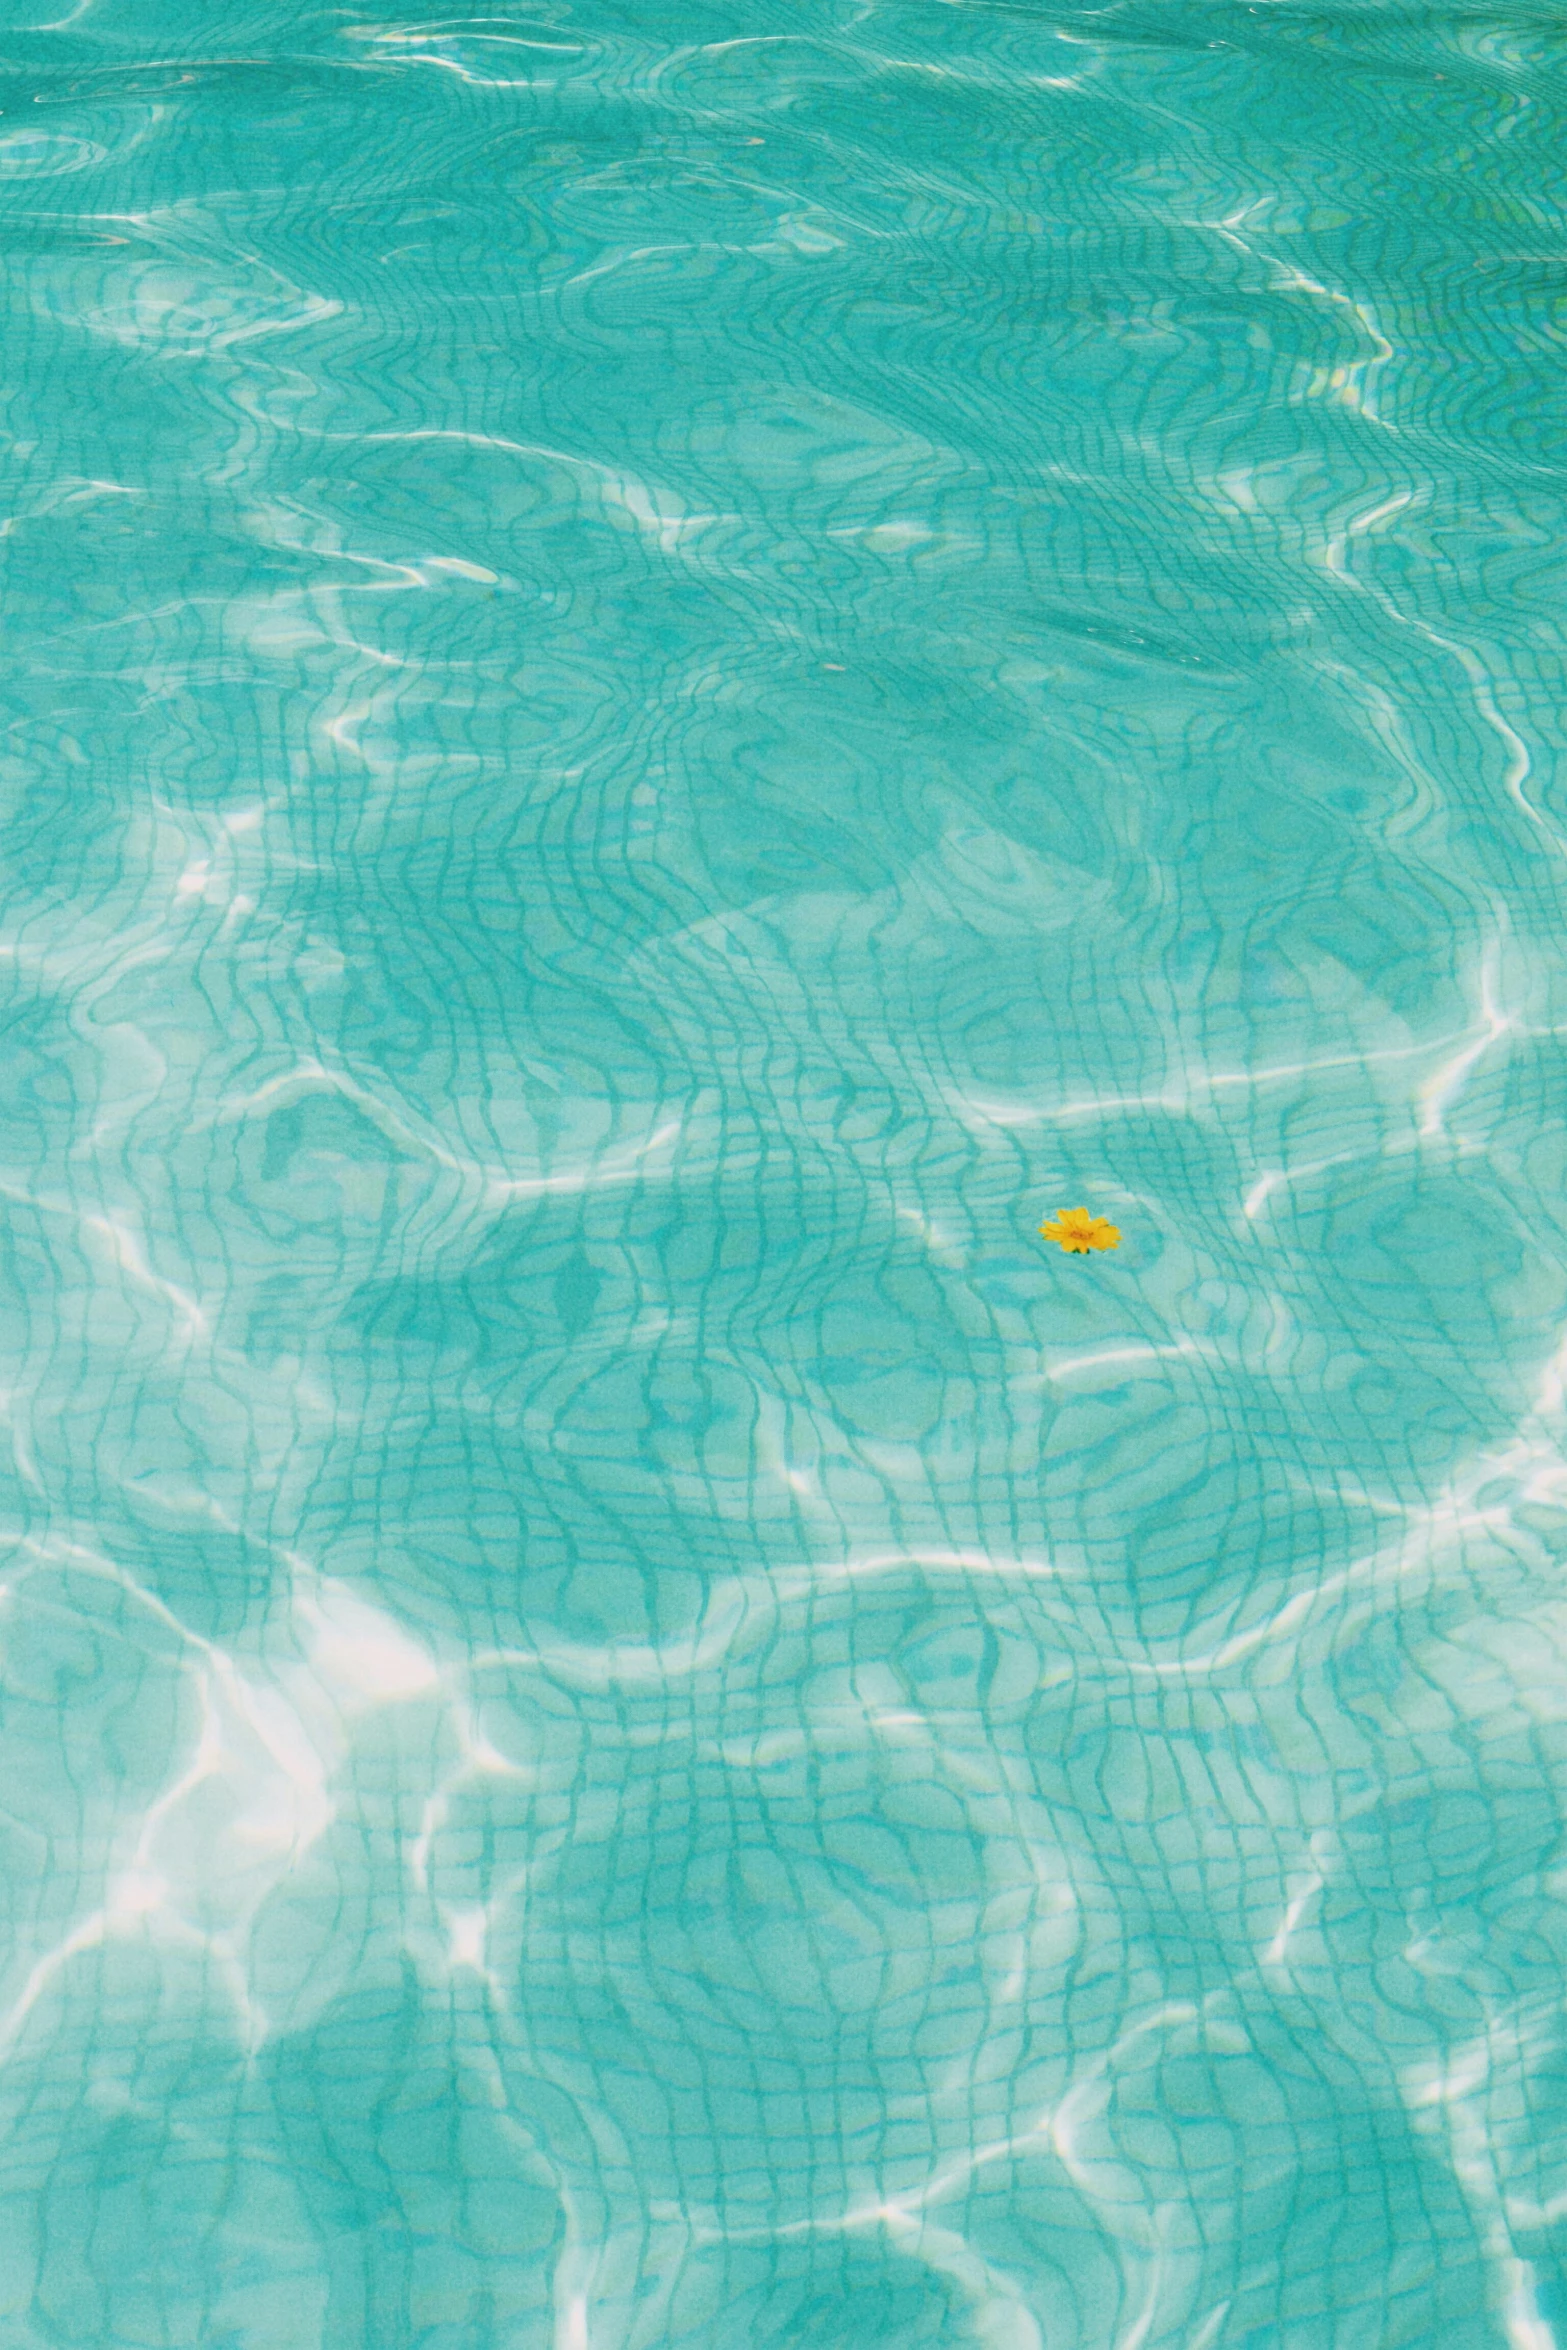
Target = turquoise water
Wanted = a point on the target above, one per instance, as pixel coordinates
(666, 672)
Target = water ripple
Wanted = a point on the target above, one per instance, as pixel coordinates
(665, 679)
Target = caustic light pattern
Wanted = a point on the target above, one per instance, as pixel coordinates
(662, 670)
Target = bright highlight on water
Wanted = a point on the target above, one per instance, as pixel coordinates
(669, 672)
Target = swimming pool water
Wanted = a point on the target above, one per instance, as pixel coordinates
(666, 672)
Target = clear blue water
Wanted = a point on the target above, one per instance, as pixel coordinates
(667, 671)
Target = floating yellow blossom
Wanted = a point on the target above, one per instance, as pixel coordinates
(1077, 1232)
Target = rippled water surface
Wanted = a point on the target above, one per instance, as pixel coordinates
(667, 670)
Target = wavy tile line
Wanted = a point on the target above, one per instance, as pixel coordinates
(664, 679)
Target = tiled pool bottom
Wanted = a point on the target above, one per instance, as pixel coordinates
(667, 674)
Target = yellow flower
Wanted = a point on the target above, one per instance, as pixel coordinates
(1077, 1232)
